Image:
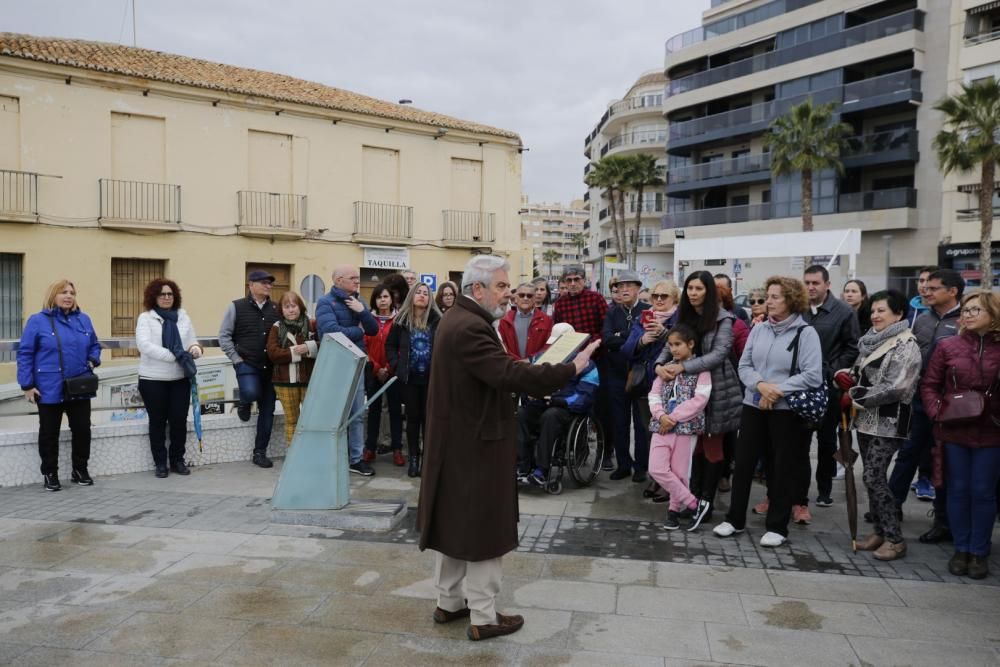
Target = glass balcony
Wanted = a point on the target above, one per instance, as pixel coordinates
(982, 38)
(720, 168)
(877, 200)
(642, 137)
(868, 32)
(727, 25)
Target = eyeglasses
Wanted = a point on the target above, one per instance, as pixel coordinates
(167, 295)
(972, 311)
(933, 288)
(660, 296)
(522, 295)
(757, 302)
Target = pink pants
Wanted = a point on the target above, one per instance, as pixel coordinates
(670, 466)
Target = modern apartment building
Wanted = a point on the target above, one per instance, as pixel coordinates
(882, 63)
(552, 227)
(633, 124)
(974, 56)
(120, 164)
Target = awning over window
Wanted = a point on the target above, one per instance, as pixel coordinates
(976, 187)
(985, 7)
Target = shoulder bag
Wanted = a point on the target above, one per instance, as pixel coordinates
(809, 404)
(78, 386)
(962, 405)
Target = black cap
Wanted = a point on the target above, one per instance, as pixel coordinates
(259, 276)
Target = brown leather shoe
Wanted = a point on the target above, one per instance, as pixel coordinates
(890, 550)
(871, 543)
(444, 616)
(505, 625)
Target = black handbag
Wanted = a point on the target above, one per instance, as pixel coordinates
(77, 386)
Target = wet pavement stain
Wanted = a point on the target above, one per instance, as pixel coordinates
(733, 644)
(793, 615)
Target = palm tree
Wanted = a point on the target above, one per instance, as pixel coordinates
(551, 256)
(971, 136)
(642, 172)
(806, 140)
(579, 240)
(609, 173)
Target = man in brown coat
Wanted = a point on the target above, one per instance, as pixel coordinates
(468, 497)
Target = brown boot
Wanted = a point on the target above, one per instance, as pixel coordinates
(890, 550)
(445, 616)
(505, 625)
(871, 543)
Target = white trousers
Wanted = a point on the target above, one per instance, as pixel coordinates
(482, 583)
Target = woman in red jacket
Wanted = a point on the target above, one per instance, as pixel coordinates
(376, 374)
(963, 370)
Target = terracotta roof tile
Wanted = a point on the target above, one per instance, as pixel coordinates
(171, 68)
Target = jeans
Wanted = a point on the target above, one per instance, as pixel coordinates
(910, 457)
(255, 385)
(391, 397)
(49, 422)
(356, 429)
(625, 410)
(167, 403)
(787, 437)
(972, 503)
(826, 447)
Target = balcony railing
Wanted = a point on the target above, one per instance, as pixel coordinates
(868, 32)
(470, 226)
(18, 193)
(877, 200)
(757, 116)
(982, 38)
(847, 203)
(637, 138)
(135, 201)
(648, 206)
(741, 20)
(273, 210)
(391, 221)
(720, 168)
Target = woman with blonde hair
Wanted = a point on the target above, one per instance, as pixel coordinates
(408, 348)
(55, 369)
(292, 347)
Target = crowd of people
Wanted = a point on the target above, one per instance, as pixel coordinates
(696, 396)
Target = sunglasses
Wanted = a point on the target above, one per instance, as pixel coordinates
(167, 294)
(660, 296)
(522, 295)
(757, 302)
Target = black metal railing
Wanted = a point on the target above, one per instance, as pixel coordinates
(742, 119)
(875, 200)
(473, 226)
(140, 202)
(867, 32)
(18, 193)
(271, 209)
(388, 220)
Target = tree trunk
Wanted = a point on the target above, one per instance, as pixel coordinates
(614, 219)
(986, 223)
(807, 203)
(635, 231)
(623, 231)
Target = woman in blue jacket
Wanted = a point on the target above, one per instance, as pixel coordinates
(60, 324)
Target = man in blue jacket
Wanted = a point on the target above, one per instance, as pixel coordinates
(343, 311)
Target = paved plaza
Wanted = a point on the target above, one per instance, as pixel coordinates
(189, 571)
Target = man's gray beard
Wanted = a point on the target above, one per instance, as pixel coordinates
(499, 312)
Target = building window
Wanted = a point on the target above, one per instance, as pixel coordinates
(11, 298)
(129, 278)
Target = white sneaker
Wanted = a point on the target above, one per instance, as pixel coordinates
(726, 529)
(772, 540)
(840, 472)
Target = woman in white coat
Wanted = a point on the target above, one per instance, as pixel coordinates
(167, 350)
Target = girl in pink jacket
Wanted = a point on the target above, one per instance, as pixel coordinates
(678, 409)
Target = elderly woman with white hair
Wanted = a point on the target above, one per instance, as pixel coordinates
(468, 499)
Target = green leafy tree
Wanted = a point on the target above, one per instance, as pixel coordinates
(970, 137)
(641, 172)
(551, 256)
(807, 139)
(579, 240)
(609, 174)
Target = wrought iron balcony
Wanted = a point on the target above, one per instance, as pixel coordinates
(18, 196)
(139, 205)
(468, 227)
(271, 214)
(867, 32)
(377, 221)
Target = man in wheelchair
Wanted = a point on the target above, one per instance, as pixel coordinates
(544, 421)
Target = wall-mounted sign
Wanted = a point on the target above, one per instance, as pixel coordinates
(381, 257)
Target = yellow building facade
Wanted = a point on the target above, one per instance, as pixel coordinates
(120, 164)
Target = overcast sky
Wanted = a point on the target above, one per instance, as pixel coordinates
(543, 68)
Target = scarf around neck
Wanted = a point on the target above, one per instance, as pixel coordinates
(171, 338)
(294, 327)
(873, 339)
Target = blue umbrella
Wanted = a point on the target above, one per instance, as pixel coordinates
(196, 410)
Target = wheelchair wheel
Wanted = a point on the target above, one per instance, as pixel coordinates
(584, 449)
(554, 488)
